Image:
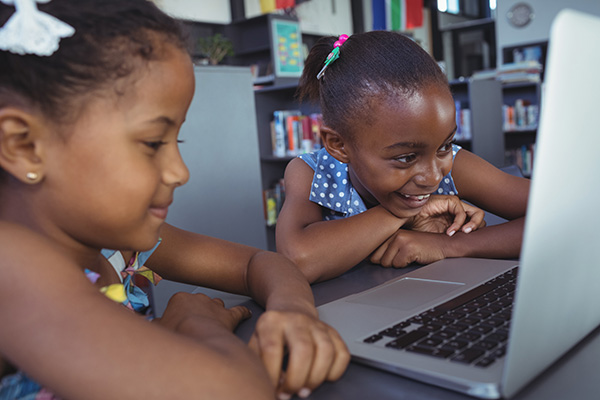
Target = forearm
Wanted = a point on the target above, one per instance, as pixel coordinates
(326, 249)
(498, 241)
(277, 284)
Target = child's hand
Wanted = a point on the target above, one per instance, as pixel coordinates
(446, 214)
(406, 247)
(188, 313)
(316, 352)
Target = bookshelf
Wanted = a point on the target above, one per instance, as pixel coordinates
(521, 106)
(483, 122)
(267, 100)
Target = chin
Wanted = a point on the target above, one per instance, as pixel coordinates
(404, 212)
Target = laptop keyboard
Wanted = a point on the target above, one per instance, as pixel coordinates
(471, 328)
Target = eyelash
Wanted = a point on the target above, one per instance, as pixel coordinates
(448, 149)
(155, 145)
(159, 143)
(411, 156)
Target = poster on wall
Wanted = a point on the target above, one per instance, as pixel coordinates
(287, 48)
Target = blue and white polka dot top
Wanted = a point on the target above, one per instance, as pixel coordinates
(331, 187)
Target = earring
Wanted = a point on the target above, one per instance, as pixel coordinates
(32, 176)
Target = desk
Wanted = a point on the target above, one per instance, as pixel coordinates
(576, 376)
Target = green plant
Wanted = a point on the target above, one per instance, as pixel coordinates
(215, 48)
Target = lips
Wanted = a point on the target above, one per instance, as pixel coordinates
(414, 201)
(159, 212)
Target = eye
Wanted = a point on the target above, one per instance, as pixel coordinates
(447, 147)
(155, 145)
(406, 158)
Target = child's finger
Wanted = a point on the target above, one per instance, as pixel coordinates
(460, 216)
(269, 344)
(342, 357)
(301, 360)
(240, 313)
(377, 255)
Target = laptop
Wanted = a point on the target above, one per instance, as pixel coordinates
(421, 325)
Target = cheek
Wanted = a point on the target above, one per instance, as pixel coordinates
(447, 165)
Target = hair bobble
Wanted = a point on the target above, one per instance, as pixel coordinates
(30, 31)
(334, 55)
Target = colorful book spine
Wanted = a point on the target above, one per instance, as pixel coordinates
(293, 133)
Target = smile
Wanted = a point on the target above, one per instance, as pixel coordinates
(419, 197)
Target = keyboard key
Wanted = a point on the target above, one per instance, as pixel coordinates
(392, 332)
(485, 345)
(469, 336)
(485, 362)
(430, 342)
(373, 339)
(431, 351)
(456, 344)
(445, 334)
(431, 327)
(407, 339)
(468, 356)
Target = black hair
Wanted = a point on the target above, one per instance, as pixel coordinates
(370, 65)
(111, 38)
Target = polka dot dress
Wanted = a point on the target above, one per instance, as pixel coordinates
(331, 187)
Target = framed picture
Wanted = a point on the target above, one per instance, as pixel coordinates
(288, 59)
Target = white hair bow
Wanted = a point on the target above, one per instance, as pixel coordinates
(30, 31)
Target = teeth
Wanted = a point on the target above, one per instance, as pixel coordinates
(421, 197)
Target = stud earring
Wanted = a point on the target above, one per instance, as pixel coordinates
(32, 176)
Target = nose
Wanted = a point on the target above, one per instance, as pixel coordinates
(175, 172)
(431, 173)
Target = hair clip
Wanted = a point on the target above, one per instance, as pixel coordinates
(334, 55)
(31, 31)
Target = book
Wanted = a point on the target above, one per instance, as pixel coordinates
(293, 133)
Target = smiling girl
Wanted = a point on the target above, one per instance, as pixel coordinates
(387, 182)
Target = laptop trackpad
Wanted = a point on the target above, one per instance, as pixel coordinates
(406, 294)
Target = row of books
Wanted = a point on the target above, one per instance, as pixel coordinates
(463, 122)
(273, 199)
(521, 116)
(522, 157)
(522, 71)
(293, 133)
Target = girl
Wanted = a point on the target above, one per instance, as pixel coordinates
(92, 96)
(388, 127)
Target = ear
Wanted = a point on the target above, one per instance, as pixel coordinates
(334, 143)
(20, 148)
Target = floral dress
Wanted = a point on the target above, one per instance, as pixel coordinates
(132, 292)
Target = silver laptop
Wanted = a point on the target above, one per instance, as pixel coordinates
(415, 326)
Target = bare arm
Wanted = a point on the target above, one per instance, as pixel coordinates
(316, 352)
(71, 338)
(308, 241)
(497, 192)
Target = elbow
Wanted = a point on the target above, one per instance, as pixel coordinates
(304, 261)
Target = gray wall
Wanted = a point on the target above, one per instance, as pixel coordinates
(538, 29)
(223, 197)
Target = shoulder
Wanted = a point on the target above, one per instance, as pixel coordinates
(29, 256)
(19, 241)
(318, 159)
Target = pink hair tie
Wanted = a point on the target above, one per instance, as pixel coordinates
(334, 55)
(340, 40)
